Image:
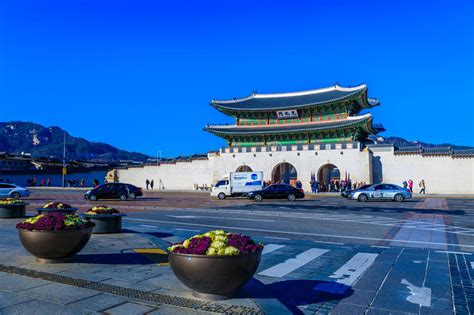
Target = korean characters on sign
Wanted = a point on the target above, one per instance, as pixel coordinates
(290, 113)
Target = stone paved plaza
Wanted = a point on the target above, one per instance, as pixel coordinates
(323, 255)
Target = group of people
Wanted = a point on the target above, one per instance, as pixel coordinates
(149, 184)
(43, 182)
(334, 185)
(409, 185)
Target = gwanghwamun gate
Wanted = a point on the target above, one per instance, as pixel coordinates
(317, 134)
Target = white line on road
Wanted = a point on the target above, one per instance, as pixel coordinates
(326, 242)
(188, 230)
(148, 226)
(299, 233)
(472, 265)
(223, 218)
(292, 264)
(270, 248)
(379, 246)
(351, 271)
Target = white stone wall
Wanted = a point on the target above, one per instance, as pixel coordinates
(442, 174)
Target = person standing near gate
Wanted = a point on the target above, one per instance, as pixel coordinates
(422, 186)
(147, 183)
(152, 183)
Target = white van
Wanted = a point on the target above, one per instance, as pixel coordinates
(237, 184)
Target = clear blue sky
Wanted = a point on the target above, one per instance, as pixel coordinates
(140, 74)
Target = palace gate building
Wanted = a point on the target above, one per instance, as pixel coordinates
(316, 134)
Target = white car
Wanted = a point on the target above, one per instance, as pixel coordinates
(9, 190)
(381, 192)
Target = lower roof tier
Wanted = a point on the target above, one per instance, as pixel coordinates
(355, 122)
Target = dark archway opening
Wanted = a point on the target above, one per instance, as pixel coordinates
(243, 168)
(284, 173)
(329, 177)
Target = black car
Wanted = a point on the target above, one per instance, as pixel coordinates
(114, 190)
(278, 191)
(345, 193)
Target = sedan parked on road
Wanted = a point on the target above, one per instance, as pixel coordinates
(346, 193)
(10, 190)
(114, 190)
(381, 192)
(278, 191)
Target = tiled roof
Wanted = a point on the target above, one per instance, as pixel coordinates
(278, 129)
(270, 102)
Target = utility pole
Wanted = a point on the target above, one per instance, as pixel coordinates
(64, 159)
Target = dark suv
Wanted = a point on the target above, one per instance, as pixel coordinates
(114, 190)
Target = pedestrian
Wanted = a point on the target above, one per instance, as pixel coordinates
(422, 186)
(299, 185)
(410, 185)
(48, 183)
(405, 184)
(43, 182)
(152, 183)
(83, 183)
(147, 183)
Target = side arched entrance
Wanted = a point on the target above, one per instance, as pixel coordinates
(243, 168)
(284, 173)
(326, 174)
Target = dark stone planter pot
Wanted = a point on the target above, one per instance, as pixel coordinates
(106, 224)
(54, 246)
(12, 211)
(214, 277)
(65, 210)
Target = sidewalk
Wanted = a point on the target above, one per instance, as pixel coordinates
(107, 276)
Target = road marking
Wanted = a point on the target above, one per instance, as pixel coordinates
(418, 295)
(379, 246)
(352, 270)
(326, 242)
(224, 218)
(270, 248)
(452, 252)
(300, 233)
(278, 238)
(472, 265)
(292, 264)
(187, 230)
(148, 226)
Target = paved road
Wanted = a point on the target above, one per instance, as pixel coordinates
(329, 255)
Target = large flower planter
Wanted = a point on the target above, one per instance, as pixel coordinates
(214, 277)
(63, 210)
(54, 246)
(12, 211)
(106, 223)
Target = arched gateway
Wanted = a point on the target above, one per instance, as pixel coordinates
(284, 173)
(328, 172)
(243, 168)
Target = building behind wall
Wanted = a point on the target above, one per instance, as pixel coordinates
(310, 135)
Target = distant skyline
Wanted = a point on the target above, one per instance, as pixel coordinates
(140, 74)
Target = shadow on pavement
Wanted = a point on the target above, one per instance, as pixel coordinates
(112, 259)
(294, 293)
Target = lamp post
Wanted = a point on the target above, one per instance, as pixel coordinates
(64, 161)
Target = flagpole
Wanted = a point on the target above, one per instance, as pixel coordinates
(64, 160)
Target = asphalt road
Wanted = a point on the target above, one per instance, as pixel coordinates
(410, 257)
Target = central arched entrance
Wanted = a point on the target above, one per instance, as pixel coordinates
(328, 174)
(243, 168)
(284, 173)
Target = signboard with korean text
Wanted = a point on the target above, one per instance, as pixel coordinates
(290, 113)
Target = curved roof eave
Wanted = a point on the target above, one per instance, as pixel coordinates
(232, 105)
(220, 130)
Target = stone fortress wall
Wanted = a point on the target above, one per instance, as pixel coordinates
(372, 164)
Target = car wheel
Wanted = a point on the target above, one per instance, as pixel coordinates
(123, 197)
(398, 197)
(92, 197)
(221, 196)
(258, 198)
(362, 197)
(15, 195)
(132, 196)
(291, 197)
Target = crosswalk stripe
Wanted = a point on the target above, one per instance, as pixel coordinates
(270, 248)
(292, 264)
(352, 270)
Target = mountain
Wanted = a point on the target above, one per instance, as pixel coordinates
(40, 141)
(400, 142)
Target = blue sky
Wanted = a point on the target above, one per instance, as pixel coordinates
(140, 74)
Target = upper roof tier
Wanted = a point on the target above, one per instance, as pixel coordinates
(296, 100)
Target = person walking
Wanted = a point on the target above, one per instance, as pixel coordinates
(422, 186)
(83, 183)
(152, 183)
(147, 183)
(48, 182)
(410, 185)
